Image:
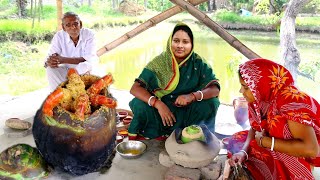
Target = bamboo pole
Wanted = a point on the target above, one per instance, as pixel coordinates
(144, 26)
(59, 14)
(233, 41)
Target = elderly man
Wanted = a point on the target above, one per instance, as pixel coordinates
(72, 47)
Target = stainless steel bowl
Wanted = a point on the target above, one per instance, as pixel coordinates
(131, 149)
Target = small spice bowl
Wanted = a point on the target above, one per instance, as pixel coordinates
(123, 132)
(119, 138)
(131, 149)
(127, 120)
(122, 114)
(225, 141)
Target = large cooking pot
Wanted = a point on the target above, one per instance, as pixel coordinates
(78, 146)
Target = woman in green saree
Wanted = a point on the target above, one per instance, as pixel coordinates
(176, 89)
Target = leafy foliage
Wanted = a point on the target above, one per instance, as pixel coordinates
(203, 7)
(263, 6)
(311, 69)
(47, 12)
(158, 5)
(228, 16)
(225, 15)
(312, 7)
(4, 4)
(233, 65)
(245, 4)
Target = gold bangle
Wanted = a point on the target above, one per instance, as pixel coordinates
(260, 141)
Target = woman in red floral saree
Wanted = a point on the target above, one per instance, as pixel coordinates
(283, 142)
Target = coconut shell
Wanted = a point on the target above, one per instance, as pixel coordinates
(21, 161)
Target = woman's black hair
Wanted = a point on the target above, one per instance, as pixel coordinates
(239, 73)
(185, 29)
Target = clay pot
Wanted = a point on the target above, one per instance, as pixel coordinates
(75, 146)
(127, 120)
(119, 138)
(78, 146)
(123, 132)
(122, 115)
(240, 106)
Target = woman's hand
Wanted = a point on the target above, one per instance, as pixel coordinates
(166, 115)
(259, 136)
(237, 158)
(184, 100)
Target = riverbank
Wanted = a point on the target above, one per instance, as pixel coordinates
(20, 29)
(265, 28)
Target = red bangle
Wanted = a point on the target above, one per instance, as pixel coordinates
(195, 97)
(154, 102)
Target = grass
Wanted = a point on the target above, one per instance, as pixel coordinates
(21, 68)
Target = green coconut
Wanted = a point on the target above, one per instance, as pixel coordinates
(192, 133)
(21, 161)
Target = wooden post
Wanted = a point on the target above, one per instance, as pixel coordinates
(144, 26)
(234, 42)
(59, 14)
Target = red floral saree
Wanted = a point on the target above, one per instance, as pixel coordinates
(277, 100)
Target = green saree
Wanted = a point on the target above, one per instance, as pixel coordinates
(166, 79)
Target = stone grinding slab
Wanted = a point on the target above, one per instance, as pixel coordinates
(16, 123)
(17, 133)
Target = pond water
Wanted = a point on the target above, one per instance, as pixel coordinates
(127, 61)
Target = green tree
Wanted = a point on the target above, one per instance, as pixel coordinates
(312, 7)
(238, 4)
(275, 6)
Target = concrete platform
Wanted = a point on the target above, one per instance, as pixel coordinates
(145, 167)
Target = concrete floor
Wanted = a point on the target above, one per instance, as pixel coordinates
(144, 168)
